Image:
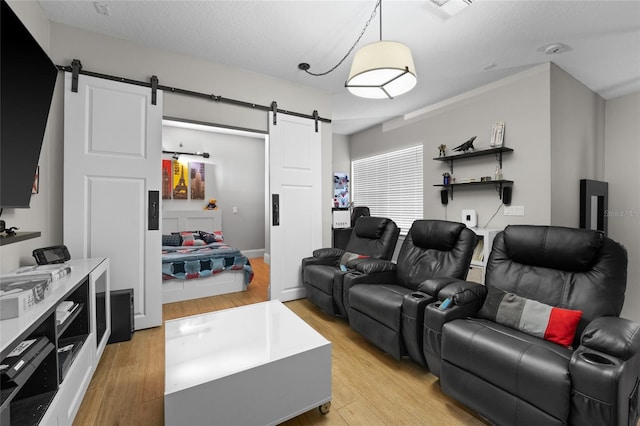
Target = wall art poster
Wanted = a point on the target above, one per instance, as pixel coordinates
(167, 179)
(340, 190)
(180, 180)
(197, 180)
(497, 135)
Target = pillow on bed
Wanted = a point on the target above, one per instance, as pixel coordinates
(191, 239)
(215, 237)
(173, 240)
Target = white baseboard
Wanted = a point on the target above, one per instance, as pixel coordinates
(267, 258)
(253, 253)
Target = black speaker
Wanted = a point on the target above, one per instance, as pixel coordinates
(506, 195)
(122, 320)
(444, 197)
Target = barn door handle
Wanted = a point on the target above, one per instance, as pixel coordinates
(154, 211)
(275, 209)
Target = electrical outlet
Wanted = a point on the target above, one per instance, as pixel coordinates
(514, 211)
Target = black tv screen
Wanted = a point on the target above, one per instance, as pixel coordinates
(27, 80)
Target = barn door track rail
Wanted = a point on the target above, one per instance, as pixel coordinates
(76, 70)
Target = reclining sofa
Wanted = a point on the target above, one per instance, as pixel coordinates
(542, 343)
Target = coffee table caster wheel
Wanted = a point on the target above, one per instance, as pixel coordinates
(324, 408)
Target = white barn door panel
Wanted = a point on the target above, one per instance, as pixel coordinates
(295, 182)
(112, 150)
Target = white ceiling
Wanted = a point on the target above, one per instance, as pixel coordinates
(272, 37)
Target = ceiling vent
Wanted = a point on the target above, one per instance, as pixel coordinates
(448, 8)
(102, 8)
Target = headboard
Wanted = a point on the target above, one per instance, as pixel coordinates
(191, 220)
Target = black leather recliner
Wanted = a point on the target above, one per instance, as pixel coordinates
(372, 237)
(511, 377)
(377, 290)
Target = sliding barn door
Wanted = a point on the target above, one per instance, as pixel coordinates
(296, 201)
(112, 148)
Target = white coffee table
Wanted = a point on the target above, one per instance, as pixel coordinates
(257, 364)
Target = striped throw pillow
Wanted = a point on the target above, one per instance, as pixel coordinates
(557, 325)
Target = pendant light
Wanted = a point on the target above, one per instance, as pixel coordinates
(383, 69)
(380, 70)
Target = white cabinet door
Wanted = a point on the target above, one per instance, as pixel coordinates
(296, 202)
(112, 149)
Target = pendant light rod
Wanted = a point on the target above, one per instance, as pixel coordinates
(304, 66)
(380, 20)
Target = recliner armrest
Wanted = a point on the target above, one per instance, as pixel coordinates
(324, 256)
(372, 266)
(618, 337)
(460, 292)
(334, 253)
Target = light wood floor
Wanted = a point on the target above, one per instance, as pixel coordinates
(369, 387)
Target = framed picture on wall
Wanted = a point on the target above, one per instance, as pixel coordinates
(497, 135)
(167, 179)
(196, 171)
(180, 180)
(340, 190)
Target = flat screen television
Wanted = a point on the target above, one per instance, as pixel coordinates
(27, 81)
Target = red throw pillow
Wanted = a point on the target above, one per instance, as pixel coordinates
(557, 325)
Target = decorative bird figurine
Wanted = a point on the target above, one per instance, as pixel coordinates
(468, 145)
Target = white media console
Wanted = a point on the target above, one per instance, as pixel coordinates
(45, 384)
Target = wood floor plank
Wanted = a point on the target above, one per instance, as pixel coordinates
(368, 386)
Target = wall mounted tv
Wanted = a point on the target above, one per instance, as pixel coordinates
(27, 80)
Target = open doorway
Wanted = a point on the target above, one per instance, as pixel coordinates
(234, 175)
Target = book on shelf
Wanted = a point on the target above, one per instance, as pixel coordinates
(37, 272)
(63, 310)
(17, 297)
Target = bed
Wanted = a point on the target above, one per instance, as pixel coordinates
(208, 268)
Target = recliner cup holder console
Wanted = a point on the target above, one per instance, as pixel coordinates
(417, 295)
(594, 358)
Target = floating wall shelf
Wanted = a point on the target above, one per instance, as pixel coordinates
(499, 184)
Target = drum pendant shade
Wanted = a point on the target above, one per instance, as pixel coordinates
(383, 69)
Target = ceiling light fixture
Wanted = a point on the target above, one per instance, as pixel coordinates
(383, 69)
(451, 7)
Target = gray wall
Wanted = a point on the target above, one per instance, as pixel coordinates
(577, 144)
(622, 165)
(341, 155)
(236, 179)
(522, 102)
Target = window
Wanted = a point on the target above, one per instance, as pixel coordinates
(390, 185)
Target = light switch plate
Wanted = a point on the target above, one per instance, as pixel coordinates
(470, 218)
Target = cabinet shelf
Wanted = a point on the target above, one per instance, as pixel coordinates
(75, 311)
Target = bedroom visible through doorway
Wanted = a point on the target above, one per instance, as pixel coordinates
(234, 175)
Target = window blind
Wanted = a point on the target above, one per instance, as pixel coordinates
(391, 185)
